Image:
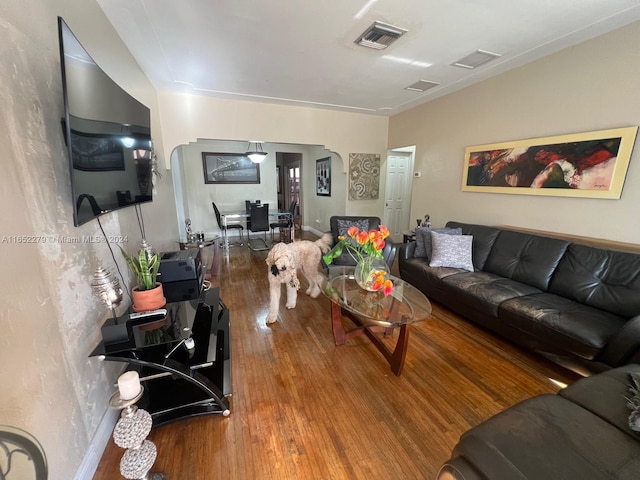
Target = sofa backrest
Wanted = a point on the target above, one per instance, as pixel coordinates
(483, 240)
(601, 278)
(526, 258)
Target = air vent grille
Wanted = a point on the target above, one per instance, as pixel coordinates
(477, 58)
(380, 35)
(421, 86)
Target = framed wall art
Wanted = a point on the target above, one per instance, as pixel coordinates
(591, 164)
(364, 176)
(229, 168)
(323, 177)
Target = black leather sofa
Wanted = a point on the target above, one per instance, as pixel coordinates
(581, 433)
(578, 305)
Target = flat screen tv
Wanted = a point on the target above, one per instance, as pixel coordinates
(108, 136)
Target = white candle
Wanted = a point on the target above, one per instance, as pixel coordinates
(129, 385)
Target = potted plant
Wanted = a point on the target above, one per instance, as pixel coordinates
(371, 272)
(147, 294)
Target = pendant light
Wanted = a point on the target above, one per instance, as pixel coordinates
(257, 155)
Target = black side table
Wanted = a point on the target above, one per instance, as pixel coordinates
(183, 359)
(408, 236)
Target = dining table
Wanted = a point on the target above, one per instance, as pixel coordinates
(238, 215)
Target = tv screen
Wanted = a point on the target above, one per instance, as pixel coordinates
(108, 136)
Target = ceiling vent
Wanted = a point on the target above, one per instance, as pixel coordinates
(380, 35)
(477, 58)
(421, 86)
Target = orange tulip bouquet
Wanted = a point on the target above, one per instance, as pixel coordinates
(371, 273)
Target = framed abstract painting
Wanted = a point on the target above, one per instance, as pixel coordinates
(591, 164)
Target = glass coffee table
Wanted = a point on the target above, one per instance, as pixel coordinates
(373, 313)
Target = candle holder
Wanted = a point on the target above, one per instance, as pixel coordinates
(130, 433)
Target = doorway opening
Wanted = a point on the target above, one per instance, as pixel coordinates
(289, 166)
(398, 191)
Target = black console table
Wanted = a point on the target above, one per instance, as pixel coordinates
(178, 381)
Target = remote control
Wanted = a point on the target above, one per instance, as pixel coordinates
(150, 313)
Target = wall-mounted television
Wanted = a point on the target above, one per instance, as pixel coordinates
(108, 136)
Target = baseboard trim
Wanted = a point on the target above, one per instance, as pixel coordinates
(96, 448)
(313, 230)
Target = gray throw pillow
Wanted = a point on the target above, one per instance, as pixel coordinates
(344, 225)
(452, 251)
(423, 239)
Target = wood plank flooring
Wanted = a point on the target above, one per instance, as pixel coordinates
(303, 408)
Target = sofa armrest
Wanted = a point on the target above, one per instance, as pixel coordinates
(389, 252)
(487, 458)
(624, 346)
(458, 468)
(407, 250)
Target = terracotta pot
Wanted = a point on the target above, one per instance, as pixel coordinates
(146, 300)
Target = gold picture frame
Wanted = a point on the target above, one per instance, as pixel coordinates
(592, 165)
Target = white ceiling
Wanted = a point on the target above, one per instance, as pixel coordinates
(302, 52)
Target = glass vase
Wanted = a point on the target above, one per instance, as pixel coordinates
(366, 272)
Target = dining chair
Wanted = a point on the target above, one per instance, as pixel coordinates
(259, 223)
(225, 230)
(247, 206)
(284, 223)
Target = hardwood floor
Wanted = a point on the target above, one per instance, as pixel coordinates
(303, 408)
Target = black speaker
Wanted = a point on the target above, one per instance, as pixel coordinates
(179, 266)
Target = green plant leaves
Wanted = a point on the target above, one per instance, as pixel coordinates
(144, 268)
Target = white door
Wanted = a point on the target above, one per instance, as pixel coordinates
(397, 206)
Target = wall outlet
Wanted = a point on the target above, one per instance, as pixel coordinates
(417, 174)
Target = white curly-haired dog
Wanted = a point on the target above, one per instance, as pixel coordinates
(285, 260)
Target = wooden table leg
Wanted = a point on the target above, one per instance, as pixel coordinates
(400, 352)
(339, 335)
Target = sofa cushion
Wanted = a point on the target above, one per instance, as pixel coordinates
(600, 278)
(423, 239)
(526, 258)
(483, 240)
(340, 224)
(427, 279)
(548, 437)
(605, 395)
(485, 291)
(567, 325)
(345, 225)
(453, 251)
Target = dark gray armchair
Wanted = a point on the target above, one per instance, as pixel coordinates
(339, 226)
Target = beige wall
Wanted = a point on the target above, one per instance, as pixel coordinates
(49, 320)
(591, 86)
(187, 118)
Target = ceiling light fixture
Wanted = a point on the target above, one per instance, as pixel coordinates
(257, 155)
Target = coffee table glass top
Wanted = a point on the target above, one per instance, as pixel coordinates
(340, 287)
